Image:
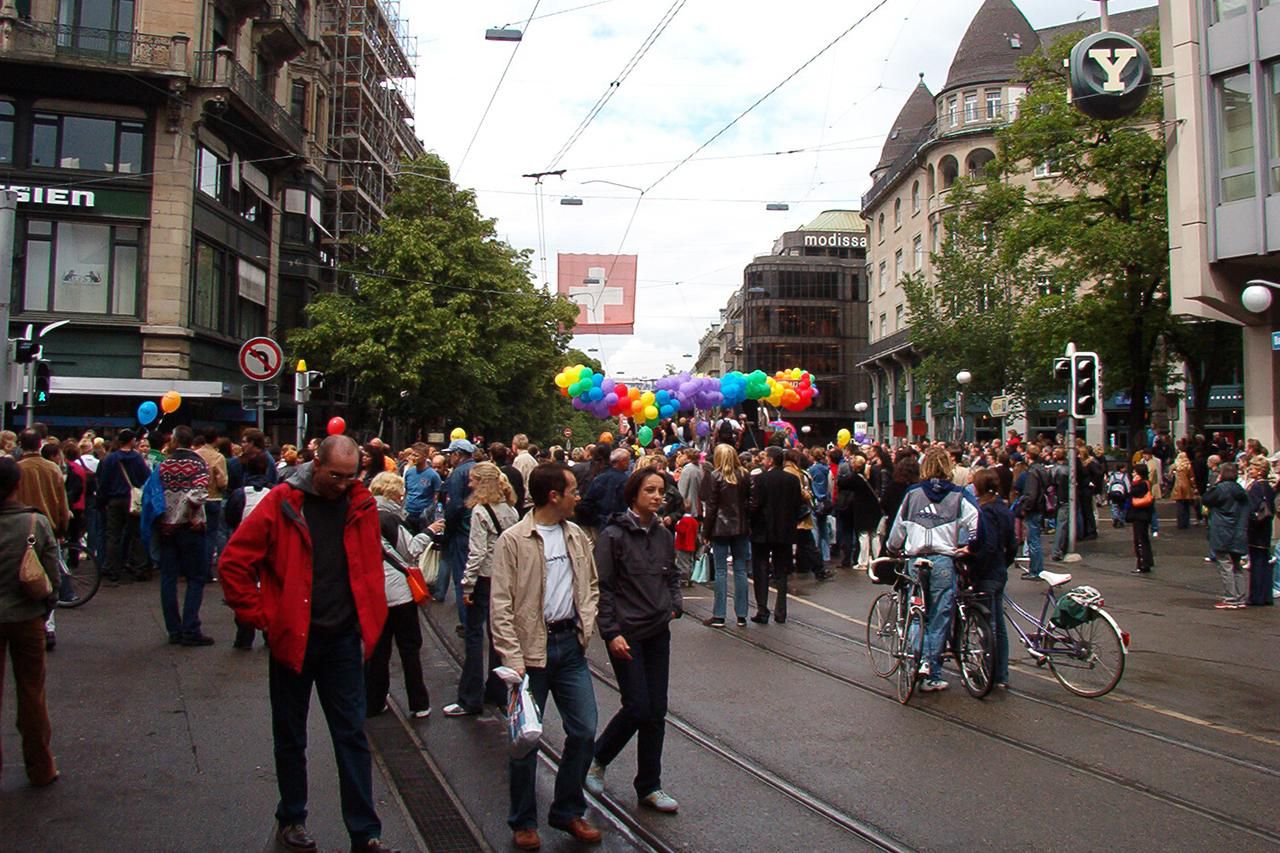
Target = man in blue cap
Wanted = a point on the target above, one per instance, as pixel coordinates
(457, 524)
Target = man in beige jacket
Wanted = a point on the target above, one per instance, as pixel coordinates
(543, 599)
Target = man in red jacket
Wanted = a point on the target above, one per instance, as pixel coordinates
(306, 568)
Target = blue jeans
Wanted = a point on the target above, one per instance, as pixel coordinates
(846, 540)
(1060, 536)
(1000, 662)
(740, 546)
(478, 684)
(183, 553)
(334, 664)
(567, 678)
(213, 531)
(1035, 549)
(453, 562)
(1155, 520)
(643, 684)
(820, 536)
(941, 601)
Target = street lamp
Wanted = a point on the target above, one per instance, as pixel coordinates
(860, 407)
(963, 378)
(1256, 296)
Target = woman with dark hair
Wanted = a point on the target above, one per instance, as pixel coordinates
(639, 596)
(22, 628)
(906, 473)
(994, 553)
(373, 461)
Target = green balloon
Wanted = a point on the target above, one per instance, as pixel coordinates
(645, 435)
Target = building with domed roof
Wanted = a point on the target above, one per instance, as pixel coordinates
(936, 139)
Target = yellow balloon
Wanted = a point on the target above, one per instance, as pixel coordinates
(458, 433)
(562, 380)
(647, 398)
(651, 413)
(842, 437)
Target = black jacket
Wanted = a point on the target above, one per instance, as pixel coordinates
(1260, 492)
(775, 507)
(604, 496)
(856, 499)
(639, 581)
(996, 547)
(726, 507)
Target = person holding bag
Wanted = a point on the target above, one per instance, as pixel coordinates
(402, 624)
(493, 510)
(26, 537)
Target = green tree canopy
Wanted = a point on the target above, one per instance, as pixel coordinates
(440, 318)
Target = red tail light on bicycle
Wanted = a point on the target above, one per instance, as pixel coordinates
(917, 601)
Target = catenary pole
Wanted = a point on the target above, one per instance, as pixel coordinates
(8, 215)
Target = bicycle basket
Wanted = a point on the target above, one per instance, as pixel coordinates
(1077, 607)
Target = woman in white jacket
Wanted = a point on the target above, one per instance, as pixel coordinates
(493, 510)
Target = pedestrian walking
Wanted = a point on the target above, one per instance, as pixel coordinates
(1228, 505)
(402, 626)
(639, 596)
(1262, 512)
(1139, 511)
(807, 556)
(727, 505)
(493, 509)
(457, 525)
(178, 490)
(544, 602)
(315, 546)
(22, 622)
(776, 503)
(1033, 504)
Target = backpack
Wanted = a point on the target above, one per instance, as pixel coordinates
(1050, 495)
(253, 495)
(725, 433)
(1117, 488)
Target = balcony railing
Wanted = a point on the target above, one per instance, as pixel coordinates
(80, 45)
(282, 28)
(218, 68)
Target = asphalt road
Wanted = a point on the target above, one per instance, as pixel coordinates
(780, 737)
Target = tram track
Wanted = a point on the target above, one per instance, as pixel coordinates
(1025, 746)
(618, 814)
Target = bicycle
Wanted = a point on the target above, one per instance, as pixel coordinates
(1087, 659)
(895, 630)
(80, 584)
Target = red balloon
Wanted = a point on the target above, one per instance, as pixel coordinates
(620, 390)
(337, 426)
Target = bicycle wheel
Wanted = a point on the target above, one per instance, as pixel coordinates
(976, 656)
(882, 634)
(911, 649)
(82, 582)
(1088, 660)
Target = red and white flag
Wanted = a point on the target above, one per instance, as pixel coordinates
(604, 286)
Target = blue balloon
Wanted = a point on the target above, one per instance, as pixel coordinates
(147, 412)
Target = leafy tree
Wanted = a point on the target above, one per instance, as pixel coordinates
(441, 319)
(1212, 351)
(1097, 232)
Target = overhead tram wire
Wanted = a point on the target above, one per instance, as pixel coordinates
(613, 87)
(494, 95)
(881, 4)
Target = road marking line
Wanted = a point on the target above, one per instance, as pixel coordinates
(826, 610)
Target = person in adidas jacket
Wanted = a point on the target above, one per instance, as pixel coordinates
(937, 520)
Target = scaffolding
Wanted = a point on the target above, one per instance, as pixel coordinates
(373, 57)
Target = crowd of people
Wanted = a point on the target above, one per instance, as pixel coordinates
(546, 548)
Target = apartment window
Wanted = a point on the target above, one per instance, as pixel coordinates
(952, 118)
(881, 224)
(298, 102)
(1046, 286)
(211, 173)
(899, 318)
(884, 275)
(897, 214)
(897, 266)
(917, 252)
(993, 104)
(884, 325)
(1235, 137)
(933, 237)
(6, 132)
(228, 293)
(970, 107)
(915, 197)
(1273, 81)
(80, 268)
(87, 143)
(1047, 169)
(1226, 9)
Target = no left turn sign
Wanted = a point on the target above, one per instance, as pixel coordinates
(261, 359)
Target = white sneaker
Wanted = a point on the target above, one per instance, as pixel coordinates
(931, 685)
(924, 670)
(1155, 534)
(595, 779)
(660, 801)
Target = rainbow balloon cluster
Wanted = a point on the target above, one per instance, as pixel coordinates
(792, 389)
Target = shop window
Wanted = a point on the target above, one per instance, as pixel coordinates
(87, 143)
(80, 268)
(211, 174)
(6, 132)
(229, 294)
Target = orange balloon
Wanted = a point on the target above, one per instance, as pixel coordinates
(170, 402)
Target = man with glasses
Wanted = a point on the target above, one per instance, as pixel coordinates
(306, 568)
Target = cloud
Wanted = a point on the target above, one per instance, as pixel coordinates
(704, 223)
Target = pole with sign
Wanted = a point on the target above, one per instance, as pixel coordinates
(261, 360)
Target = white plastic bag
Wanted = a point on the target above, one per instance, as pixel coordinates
(524, 723)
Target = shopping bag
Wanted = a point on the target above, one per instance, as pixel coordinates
(524, 723)
(429, 563)
(701, 568)
(31, 573)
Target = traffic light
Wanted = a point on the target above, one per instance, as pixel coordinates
(1084, 385)
(41, 394)
(24, 351)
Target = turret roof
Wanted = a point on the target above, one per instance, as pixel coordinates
(998, 37)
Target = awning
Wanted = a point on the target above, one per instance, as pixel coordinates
(98, 386)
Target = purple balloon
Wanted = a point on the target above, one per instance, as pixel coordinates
(608, 385)
(704, 429)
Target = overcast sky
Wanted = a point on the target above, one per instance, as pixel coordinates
(696, 230)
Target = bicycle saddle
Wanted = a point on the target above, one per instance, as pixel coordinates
(1054, 579)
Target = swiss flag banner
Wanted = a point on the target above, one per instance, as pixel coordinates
(604, 286)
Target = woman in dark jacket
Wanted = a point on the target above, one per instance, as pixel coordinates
(995, 552)
(906, 473)
(1262, 502)
(857, 507)
(639, 596)
(726, 523)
